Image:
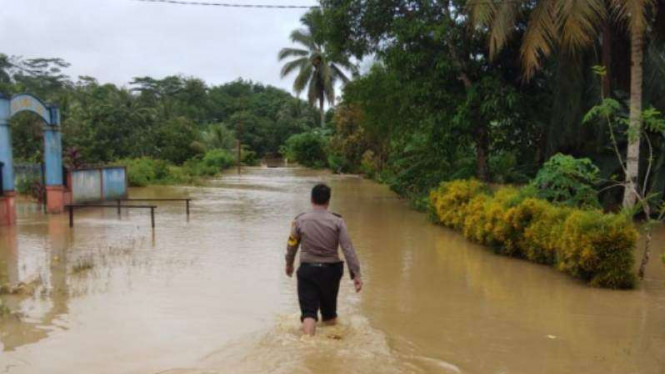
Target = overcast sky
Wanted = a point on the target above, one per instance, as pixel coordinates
(116, 40)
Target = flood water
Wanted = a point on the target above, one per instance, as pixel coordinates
(208, 294)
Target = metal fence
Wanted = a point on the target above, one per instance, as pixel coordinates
(27, 174)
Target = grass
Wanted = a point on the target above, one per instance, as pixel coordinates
(83, 265)
(4, 310)
(20, 289)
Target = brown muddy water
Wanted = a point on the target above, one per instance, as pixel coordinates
(209, 295)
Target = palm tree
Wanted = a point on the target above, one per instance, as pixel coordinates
(573, 25)
(317, 70)
(635, 12)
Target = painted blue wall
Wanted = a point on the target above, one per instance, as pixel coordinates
(86, 186)
(94, 185)
(115, 183)
(6, 146)
(53, 155)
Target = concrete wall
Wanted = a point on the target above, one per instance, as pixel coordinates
(114, 183)
(99, 184)
(86, 186)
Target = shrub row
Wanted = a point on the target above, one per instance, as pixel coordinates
(145, 170)
(587, 244)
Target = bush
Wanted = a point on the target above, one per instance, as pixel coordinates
(337, 163)
(542, 235)
(307, 149)
(219, 158)
(145, 171)
(28, 186)
(370, 164)
(504, 168)
(598, 248)
(199, 168)
(587, 244)
(451, 199)
(568, 180)
(249, 157)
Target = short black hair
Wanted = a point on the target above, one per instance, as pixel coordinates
(320, 194)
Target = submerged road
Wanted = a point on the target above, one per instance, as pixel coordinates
(208, 294)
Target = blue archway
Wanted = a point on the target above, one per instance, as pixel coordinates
(52, 149)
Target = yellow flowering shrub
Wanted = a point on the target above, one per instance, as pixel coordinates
(485, 217)
(598, 248)
(587, 244)
(449, 201)
(517, 218)
(542, 237)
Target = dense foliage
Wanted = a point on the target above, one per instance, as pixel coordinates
(174, 119)
(145, 171)
(565, 179)
(438, 102)
(308, 149)
(587, 244)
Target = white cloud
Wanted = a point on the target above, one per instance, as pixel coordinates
(116, 40)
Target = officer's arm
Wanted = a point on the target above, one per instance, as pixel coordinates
(292, 244)
(349, 251)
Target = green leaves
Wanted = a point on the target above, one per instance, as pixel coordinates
(318, 69)
(613, 113)
(567, 180)
(607, 109)
(653, 120)
(308, 149)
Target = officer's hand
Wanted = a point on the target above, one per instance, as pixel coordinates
(358, 283)
(289, 270)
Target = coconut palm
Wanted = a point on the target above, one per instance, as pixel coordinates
(317, 70)
(572, 25)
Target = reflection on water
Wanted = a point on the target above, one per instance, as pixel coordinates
(207, 295)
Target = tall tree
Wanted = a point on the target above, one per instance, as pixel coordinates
(317, 69)
(635, 11)
(573, 25)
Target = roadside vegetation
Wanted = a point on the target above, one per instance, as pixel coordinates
(589, 244)
(170, 130)
(565, 101)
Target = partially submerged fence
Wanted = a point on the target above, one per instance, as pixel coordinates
(72, 207)
(186, 201)
(119, 206)
(98, 184)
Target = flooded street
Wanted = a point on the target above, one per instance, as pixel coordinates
(208, 294)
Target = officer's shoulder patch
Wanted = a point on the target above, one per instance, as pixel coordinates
(336, 214)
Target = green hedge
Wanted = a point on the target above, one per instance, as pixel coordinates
(145, 171)
(587, 244)
(307, 149)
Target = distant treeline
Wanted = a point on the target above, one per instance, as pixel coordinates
(173, 119)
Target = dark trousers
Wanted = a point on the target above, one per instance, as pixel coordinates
(318, 286)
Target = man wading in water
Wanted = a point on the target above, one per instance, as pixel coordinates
(319, 233)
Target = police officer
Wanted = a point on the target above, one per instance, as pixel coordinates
(319, 233)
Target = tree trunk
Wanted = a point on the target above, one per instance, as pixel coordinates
(635, 130)
(607, 59)
(482, 153)
(323, 114)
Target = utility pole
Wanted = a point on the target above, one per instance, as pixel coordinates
(239, 155)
